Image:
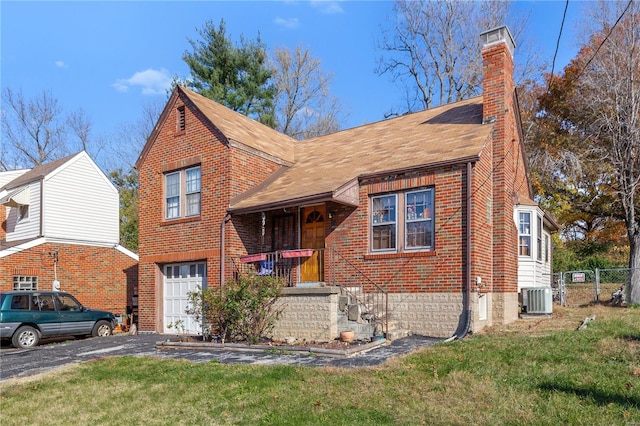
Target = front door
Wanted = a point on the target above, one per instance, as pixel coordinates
(312, 269)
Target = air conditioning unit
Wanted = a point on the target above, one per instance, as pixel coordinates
(537, 300)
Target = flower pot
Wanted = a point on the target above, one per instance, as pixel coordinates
(347, 335)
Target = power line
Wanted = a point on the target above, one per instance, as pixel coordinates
(555, 55)
(604, 40)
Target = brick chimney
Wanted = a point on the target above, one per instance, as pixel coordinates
(499, 110)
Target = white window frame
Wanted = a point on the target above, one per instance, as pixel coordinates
(187, 200)
(399, 212)
(418, 213)
(524, 233)
(384, 215)
(25, 283)
(539, 237)
(193, 188)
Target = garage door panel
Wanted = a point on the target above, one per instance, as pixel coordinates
(179, 280)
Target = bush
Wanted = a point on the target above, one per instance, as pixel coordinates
(243, 311)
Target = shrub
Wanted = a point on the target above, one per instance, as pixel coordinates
(243, 311)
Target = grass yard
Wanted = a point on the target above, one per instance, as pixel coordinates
(539, 371)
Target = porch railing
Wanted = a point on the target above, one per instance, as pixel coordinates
(357, 284)
(294, 266)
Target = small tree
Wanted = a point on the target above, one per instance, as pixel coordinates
(244, 311)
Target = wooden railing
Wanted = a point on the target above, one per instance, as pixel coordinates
(285, 264)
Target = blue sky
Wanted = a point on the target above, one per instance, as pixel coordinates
(108, 58)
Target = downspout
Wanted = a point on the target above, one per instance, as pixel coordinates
(226, 219)
(466, 299)
(42, 207)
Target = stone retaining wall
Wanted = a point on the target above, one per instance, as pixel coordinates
(428, 314)
(309, 313)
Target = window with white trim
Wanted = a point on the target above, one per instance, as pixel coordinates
(539, 234)
(406, 217)
(25, 283)
(524, 234)
(419, 219)
(183, 200)
(383, 222)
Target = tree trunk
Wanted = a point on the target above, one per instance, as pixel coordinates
(633, 292)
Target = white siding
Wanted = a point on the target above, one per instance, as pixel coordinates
(531, 271)
(80, 203)
(526, 273)
(6, 177)
(26, 228)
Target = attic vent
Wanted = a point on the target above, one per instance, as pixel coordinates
(181, 120)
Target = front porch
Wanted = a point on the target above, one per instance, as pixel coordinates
(323, 296)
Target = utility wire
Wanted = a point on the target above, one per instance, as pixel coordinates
(555, 55)
(604, 40)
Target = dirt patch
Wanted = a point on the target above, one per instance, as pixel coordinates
(563, 318)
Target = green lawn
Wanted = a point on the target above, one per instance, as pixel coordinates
(534, 372)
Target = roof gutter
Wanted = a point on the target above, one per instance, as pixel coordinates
(294, 202)
(471, 158)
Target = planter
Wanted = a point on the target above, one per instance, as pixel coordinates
(297, 253)
(347, 335)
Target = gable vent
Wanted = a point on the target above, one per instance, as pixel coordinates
(181, 119)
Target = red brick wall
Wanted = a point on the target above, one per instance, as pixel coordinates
(99, 277)
(441, 270)
(499, 104)
(190, 239)
(482, 221)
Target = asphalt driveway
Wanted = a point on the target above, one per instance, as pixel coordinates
(16, 363)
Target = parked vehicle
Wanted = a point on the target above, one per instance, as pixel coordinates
(28, 316)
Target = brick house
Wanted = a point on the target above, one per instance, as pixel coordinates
(60, 229)
(413, 224)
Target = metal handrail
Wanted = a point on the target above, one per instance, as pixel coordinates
(373, 300)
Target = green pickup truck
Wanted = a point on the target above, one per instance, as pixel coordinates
(28, 316)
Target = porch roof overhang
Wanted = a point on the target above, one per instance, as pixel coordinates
(19, 197)
(339, 196)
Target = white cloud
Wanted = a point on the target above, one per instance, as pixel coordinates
(327, 7)
(61, 64)
(153, 82)
(289, 23)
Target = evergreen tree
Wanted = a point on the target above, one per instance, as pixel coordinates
(235, 76)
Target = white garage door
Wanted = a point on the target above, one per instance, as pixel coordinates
(179, 280)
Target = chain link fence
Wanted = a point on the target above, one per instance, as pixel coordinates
(580, 288)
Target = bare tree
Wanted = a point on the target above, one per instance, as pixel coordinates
(304, 105)
(594, 109)
(608, 89)
(124, 149)
(432, 48)
(36, 131)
